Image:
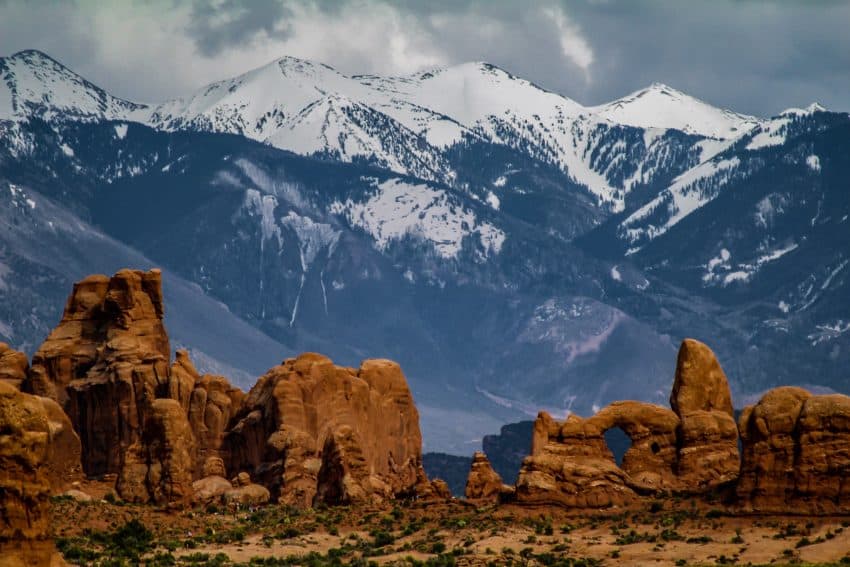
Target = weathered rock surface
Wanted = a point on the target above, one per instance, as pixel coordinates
(25, 437)
(691, 448)
(24, 481)
(484, 483)
(106, 362)
(650, 462)
(708, 437)
(310, 430)
(700, 383)
(64, 466)
(158, 467)
(14, 366)
(213, 402)
(571, 465)
(796, 453)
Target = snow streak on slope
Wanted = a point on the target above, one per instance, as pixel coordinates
(399, 209)
(660, 106)
(689, 192)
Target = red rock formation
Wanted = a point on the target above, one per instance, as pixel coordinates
(63, 465)
(483, 483)
(796, 453)
(573, 467)
(212, 405)
(25, 438)
(708, 437)
(158, 467)
(24, 450)
(692, 449)
(364, 418)
(13, 366)
(106, 362)
(650, 462)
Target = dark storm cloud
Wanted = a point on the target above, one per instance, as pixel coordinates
(218, 25)
(757, 57)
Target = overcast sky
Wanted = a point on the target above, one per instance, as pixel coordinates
(752, 56)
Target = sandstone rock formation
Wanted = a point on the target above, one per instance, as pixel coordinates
(24, 482)
(63, 464)
(708, 437)
(691, 448)
(13, 366)
(212, 405)
(571, 465)
(158, 467)
(310, 430)
(106, 362)
(483, 483)
(796, 453)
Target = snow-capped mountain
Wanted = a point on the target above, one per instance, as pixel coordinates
(312, 109)
(512, 248)
(34, 84)
(661, 107)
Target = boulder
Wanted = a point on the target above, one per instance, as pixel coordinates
(248, 495)
(210, 489)
(310, 429)
(106, 362)
(158, 467)
(77, 495)
(483, 483)
(14, 366)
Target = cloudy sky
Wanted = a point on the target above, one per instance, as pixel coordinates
(757, 57)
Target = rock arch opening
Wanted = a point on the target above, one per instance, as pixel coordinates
(618, 442)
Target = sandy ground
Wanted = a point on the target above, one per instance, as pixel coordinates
(666, 534)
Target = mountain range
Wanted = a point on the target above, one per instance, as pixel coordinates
(512, 248)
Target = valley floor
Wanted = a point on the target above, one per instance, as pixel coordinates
(669, 532)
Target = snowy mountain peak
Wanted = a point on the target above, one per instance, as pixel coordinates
(662, 106)
(33, 83)
(808, 111)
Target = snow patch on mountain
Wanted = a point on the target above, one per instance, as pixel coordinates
(399, 209)
(264, 206)
(813, 162)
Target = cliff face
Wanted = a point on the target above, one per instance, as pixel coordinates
(106, 362)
